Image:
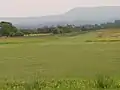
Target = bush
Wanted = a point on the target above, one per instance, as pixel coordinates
(104, 82)
(88, 41)
(12, 34)
(19, 33)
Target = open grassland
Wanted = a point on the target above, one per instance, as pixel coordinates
(106, 35)
(60, 58)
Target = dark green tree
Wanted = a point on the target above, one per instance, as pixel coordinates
(7, 29)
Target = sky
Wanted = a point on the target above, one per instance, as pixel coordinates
(31, 8)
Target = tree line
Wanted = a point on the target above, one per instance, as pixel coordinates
(9, 30)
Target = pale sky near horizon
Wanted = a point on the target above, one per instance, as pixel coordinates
(27, 8)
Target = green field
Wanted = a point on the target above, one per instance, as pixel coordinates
(58, 57)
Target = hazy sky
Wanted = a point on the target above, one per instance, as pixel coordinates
(18, 8)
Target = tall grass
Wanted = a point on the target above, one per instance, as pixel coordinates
(101, 82)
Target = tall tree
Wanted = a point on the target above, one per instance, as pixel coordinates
(7, 29)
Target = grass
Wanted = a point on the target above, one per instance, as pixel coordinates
(106, 35)
(100, 83)
(59, 58)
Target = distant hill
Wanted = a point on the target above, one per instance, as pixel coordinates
(77, 16)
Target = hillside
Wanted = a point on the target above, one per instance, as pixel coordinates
(80, 15)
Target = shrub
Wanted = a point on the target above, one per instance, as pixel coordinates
(104, 82)
(19, 33)
(88, 41)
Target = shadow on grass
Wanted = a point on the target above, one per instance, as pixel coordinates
(2, 43)
(103, 40)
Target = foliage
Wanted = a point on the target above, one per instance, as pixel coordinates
(19, 33)
(101, 82)
(7, 29)
(104, 82)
